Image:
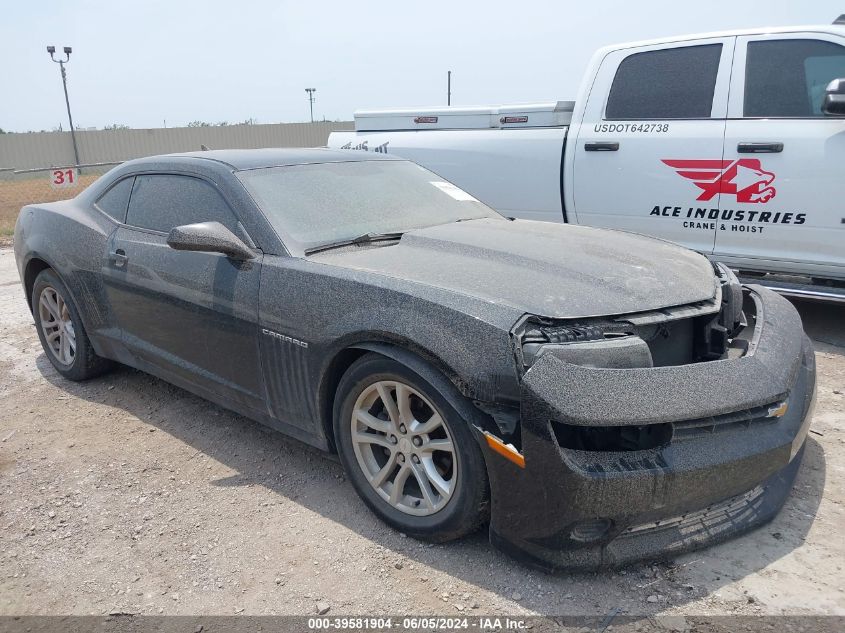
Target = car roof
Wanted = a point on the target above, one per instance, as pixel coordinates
(240, 159)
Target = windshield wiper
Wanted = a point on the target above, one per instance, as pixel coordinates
(366, 238)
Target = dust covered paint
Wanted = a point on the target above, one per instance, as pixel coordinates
(630, 379)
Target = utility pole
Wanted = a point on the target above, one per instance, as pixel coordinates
(449, 88)
(61, 63)
(311, 100)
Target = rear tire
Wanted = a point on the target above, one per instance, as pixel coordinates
(408, 453)
(61, 332)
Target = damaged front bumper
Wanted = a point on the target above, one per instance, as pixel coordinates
(730, 441)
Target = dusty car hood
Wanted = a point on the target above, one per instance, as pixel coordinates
(541, 268)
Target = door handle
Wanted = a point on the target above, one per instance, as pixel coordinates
(595, 146)
(759, 148)
(118, 258)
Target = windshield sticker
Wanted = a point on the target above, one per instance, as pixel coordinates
(451, 190)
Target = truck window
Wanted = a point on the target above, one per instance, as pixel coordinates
(673, 83)
(787, 78)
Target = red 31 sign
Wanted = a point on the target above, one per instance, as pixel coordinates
(63, 178)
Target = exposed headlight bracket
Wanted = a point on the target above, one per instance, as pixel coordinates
(615, 352)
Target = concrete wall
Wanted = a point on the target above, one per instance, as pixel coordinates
(48, 149)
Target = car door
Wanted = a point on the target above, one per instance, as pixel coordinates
(649, 147)
(188, 316)
(783, 205)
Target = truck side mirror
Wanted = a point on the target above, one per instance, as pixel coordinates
(834, 98)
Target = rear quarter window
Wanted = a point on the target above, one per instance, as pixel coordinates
(673, 83)
(115, 201)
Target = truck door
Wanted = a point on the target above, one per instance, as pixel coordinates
(649, 147)
(783, 187)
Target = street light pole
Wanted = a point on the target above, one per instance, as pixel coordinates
(61, 62)
(449, 88)
(311, 100)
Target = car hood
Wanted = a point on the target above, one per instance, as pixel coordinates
(546, 269)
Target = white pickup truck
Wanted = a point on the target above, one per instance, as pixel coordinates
(732, 144)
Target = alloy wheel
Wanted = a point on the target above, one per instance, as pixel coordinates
(404, 448)
(57, 325)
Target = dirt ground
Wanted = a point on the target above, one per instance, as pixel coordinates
(125, 494)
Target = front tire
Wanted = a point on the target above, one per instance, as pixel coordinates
(407, 451)
(60, 330)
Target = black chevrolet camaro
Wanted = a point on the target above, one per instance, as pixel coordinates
(595, 396)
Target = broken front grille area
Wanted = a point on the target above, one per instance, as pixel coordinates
(638, 447)
(712, 519)
(689, 429)
(721, 327)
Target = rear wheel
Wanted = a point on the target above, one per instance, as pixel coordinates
(60, 330)
(407, 451)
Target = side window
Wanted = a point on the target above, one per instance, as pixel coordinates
(787, 78)
(160, 202)
(673, 83)
(114, 201)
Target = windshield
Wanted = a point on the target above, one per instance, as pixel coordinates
(314, 204)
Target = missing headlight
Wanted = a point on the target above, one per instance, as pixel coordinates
(572, 333)
(601, 344)
(616, 352)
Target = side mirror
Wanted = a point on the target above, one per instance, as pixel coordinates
(210, 237)
(834, 98)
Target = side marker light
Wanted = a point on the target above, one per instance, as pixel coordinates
(778, 411)
(505, 450)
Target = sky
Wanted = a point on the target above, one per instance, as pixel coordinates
(147, 63)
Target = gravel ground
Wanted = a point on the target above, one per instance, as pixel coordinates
(125, 494)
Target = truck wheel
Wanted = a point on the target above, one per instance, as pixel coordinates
(60, 329)
(408, 453)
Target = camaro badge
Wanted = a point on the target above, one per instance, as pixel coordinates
(284, 338)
